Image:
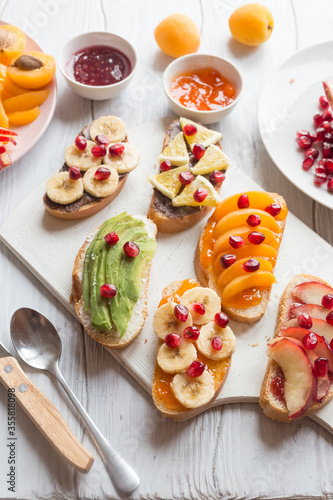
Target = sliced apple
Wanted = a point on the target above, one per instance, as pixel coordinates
(319, 326)
(312, 310)
(310, 292)
(300, 386)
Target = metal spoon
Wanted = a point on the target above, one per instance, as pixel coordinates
(37, 342)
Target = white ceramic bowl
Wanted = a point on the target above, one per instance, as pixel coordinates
(97, 93)
(193, 62)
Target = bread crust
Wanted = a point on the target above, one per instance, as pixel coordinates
(272, 408)
(250, 315)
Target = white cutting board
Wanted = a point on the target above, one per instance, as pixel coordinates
(48, 246)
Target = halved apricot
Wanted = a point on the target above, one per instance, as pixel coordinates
(248, 251)
(242, 283)
(257, 199)
(32, 70)
(4, 122)
(237, 270)
(23, 117)
(12, 43)
(13, 89)
(222, 243)
(238, 218)
(25, 101)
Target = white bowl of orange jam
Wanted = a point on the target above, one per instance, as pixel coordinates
(202, 87)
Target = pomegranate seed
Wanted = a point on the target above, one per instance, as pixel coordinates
(314, 153)
(320, 170)
(330, 185)
(217, 177)
(321, 367)
(327, 115)
(307, 163)
(320, 132)
(328, 137)
(200, 195)
(251, 265)
(196, 369)
(256, 238)
(327, 150)
(304, 142)
(274, 209)
(2, 149)
(320, 179)
(102, 139)
(243, 201)
(102, 173)
(217, 343)
(329, 318)
(301, 133)
(310, 341)
(181, 312)
(326, 126)
(236, 241)
(198, 151)
(116, 150)
(74, 173)
(186, 178)
(323, 101)
(199, 308)
(190, 130)
(111, 238)
(221, 319)
(328, 165)
(173, 340)
(253, 220)
(81, 142)
(327, 301)
(313, 137)
(191, 332)
(165, 165)
(227, 260)
(305, 321)
(131, 249)
(98, 151)
(318, 120)
(108, 290)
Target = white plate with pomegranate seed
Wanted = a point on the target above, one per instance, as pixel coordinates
(288, 102)
(38, 239)
(29, 135)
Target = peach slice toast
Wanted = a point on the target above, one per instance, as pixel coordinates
(195, 346)
(237, 252)
(299, 374)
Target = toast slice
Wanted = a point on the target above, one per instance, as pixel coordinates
(111, 339)
(208, 277)
(163, 396)
(271, 400)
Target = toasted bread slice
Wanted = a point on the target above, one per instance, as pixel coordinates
(274, 407)
(111, 339)
(170, 407)
(242, 315)
(170, 219)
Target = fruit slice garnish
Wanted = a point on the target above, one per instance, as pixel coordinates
(186, 197)
(328, 87)
(222, 243)
(248, 251)
(237, 269)
(213, 159)
(242, 283)
(175, 151)
(239, 218)
(167, 182)
(204, 135)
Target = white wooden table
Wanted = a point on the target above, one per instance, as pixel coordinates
(232, 451)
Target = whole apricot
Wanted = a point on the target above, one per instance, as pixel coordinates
(177, 35)
(251, 24)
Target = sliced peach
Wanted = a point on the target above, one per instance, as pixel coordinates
(25, 73)
(23, 117)
(257, 199)
(26, 101)
(4, 122)
(239, 285)
(12, 88)
(248, 251)
(3, 72)
(237, 270)
(222, 243)
(12, 43)
(238, 218)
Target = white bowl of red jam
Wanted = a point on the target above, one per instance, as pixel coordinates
(202, 87)
(98, 65)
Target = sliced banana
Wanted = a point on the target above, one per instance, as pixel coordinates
(165, 322)
(193, 392)
(111, 126)
(126, 162)
(204, 342)
(100, 188)
(205, 296)
(82, 159)
(177, 359)
(62, 189)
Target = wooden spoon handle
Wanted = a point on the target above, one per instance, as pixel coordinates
(44, 415)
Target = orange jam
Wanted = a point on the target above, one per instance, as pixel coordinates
(204, 89)
(186, 285)
(207, 253)
(249, 298)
